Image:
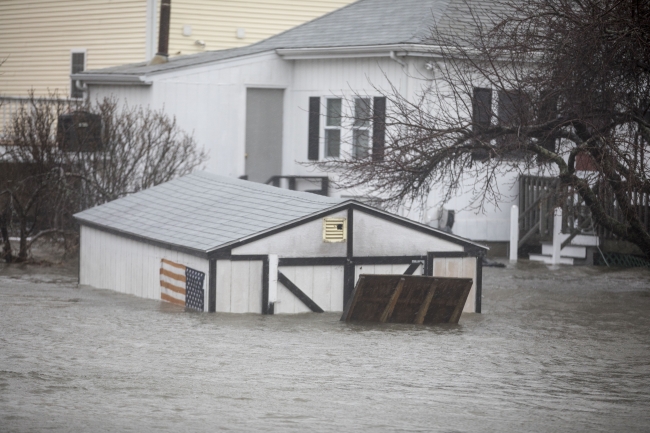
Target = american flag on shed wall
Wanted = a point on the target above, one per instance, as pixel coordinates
(181, 285)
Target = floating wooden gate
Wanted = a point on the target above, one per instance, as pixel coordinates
(407, 299)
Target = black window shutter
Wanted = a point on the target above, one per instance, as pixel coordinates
(378, 128)
(481, 108)
(314, 128)
(481, 116)
(547, 112)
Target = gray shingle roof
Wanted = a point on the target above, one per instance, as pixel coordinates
(202, 211)
(363, 23)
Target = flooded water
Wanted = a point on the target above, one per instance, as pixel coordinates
(561, 350)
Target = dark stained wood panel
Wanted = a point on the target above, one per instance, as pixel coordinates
(407, 299)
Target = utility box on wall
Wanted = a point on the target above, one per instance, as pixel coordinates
(80, 131)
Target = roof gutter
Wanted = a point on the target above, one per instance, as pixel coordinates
(119, 79)
(393, 51)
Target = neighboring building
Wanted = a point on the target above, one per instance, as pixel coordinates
(262, 110)
(215, 243)
(43, 41)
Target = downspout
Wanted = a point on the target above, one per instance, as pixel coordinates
(162, 55)
(394, 57)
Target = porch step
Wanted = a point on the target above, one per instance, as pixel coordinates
(547, 259)
(581, 240)
(574, 251)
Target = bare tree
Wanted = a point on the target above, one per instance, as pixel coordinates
(571, 79)
(61, 157)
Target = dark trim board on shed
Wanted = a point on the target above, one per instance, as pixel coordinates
(212, 287)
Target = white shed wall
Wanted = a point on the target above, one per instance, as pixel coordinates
(377, 237)
(305, 240)
(323, 284)
(113, 262)
(239, 286)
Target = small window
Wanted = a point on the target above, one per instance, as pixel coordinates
(78, 64)
(333, 128)
(335, 229)
(361, 128)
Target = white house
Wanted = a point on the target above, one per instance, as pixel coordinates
(267, 109)
(217, 243)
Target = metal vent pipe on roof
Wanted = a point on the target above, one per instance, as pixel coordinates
(163, 33)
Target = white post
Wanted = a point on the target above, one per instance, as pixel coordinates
(514, 232)
(273, 278)
(557, 239)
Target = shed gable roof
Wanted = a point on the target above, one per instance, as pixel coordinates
(363, 23)
(202, 211)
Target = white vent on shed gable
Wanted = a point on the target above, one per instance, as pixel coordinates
(335, 229)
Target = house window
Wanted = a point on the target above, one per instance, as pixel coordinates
(361, 137)
(77, 64)
(333, 128)
(361, 128)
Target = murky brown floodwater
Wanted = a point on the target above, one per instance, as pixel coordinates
(561, 350)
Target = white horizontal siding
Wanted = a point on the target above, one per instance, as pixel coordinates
(113, 262)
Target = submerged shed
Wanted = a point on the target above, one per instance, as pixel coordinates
(215, 243)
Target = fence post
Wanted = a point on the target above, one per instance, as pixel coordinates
(514, 232)
(557, 231)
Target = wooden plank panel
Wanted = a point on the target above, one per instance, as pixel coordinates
(384, 269)
(298, 293)
(468, 270)
(400, 269)
(285, 297)
(322, 280)
(421, 299)
(255, 287)
(388, 311)
(282, 306)
(454, 267)
(336, 284)
(224, 284)
(439, 267)
(239, 287)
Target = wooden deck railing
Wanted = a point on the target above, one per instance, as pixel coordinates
(538, 196)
